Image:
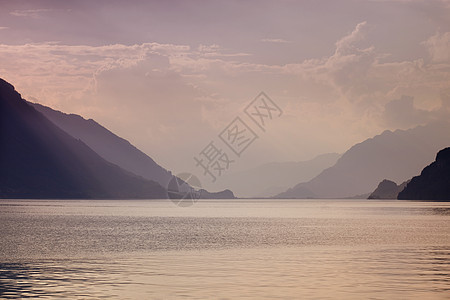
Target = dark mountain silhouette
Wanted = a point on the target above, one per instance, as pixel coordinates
(116, 149)
(108, 145)
(433, 183)
(397, 155)
(269, 179)
(39, 160)
(387, 190)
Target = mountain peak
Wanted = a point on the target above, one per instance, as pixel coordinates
(40, 160)
(387, 189)
(443, 155)
(5, 84)
(113, 148)
(9, 92)
(397, 155)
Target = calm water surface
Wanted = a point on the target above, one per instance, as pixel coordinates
(226, 249)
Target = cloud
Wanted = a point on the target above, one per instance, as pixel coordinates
(54, 72)
(360, 77)
(31, 13)
(158, 94)
(215, 50)
(346, 45)
(282, 41)
(402, 113)
(438, 47)
(139, 85)
(3, 28)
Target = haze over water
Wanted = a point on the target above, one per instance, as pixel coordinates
(316, 249)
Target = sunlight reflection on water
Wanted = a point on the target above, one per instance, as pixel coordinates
(228, 249)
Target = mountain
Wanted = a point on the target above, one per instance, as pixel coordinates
(39, 160)
(273, 178)
(225, 194)
(108, 145)
(116, 149)
(433, 183)
(387, 190)
(397, 155)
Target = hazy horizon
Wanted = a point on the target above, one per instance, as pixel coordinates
(170, 77)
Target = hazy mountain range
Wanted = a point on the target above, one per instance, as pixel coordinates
(116, 149)
(397, 155)
(108, 145)
(40, 160)
(48, 154)
(276, 177)
(45, 153)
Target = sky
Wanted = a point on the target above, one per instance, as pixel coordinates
(170, 76)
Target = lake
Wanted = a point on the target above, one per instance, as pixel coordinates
(225, 249)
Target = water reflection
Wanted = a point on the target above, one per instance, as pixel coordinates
(442, 211)
(48, 278)
(320, 272)
(327, 250)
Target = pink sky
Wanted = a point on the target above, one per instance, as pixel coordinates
(169, 76)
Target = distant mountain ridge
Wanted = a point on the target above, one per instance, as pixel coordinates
(40, 160)
(433, 183)
(397, 155)
(108, 145)
(116, 149)
(271, 178)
